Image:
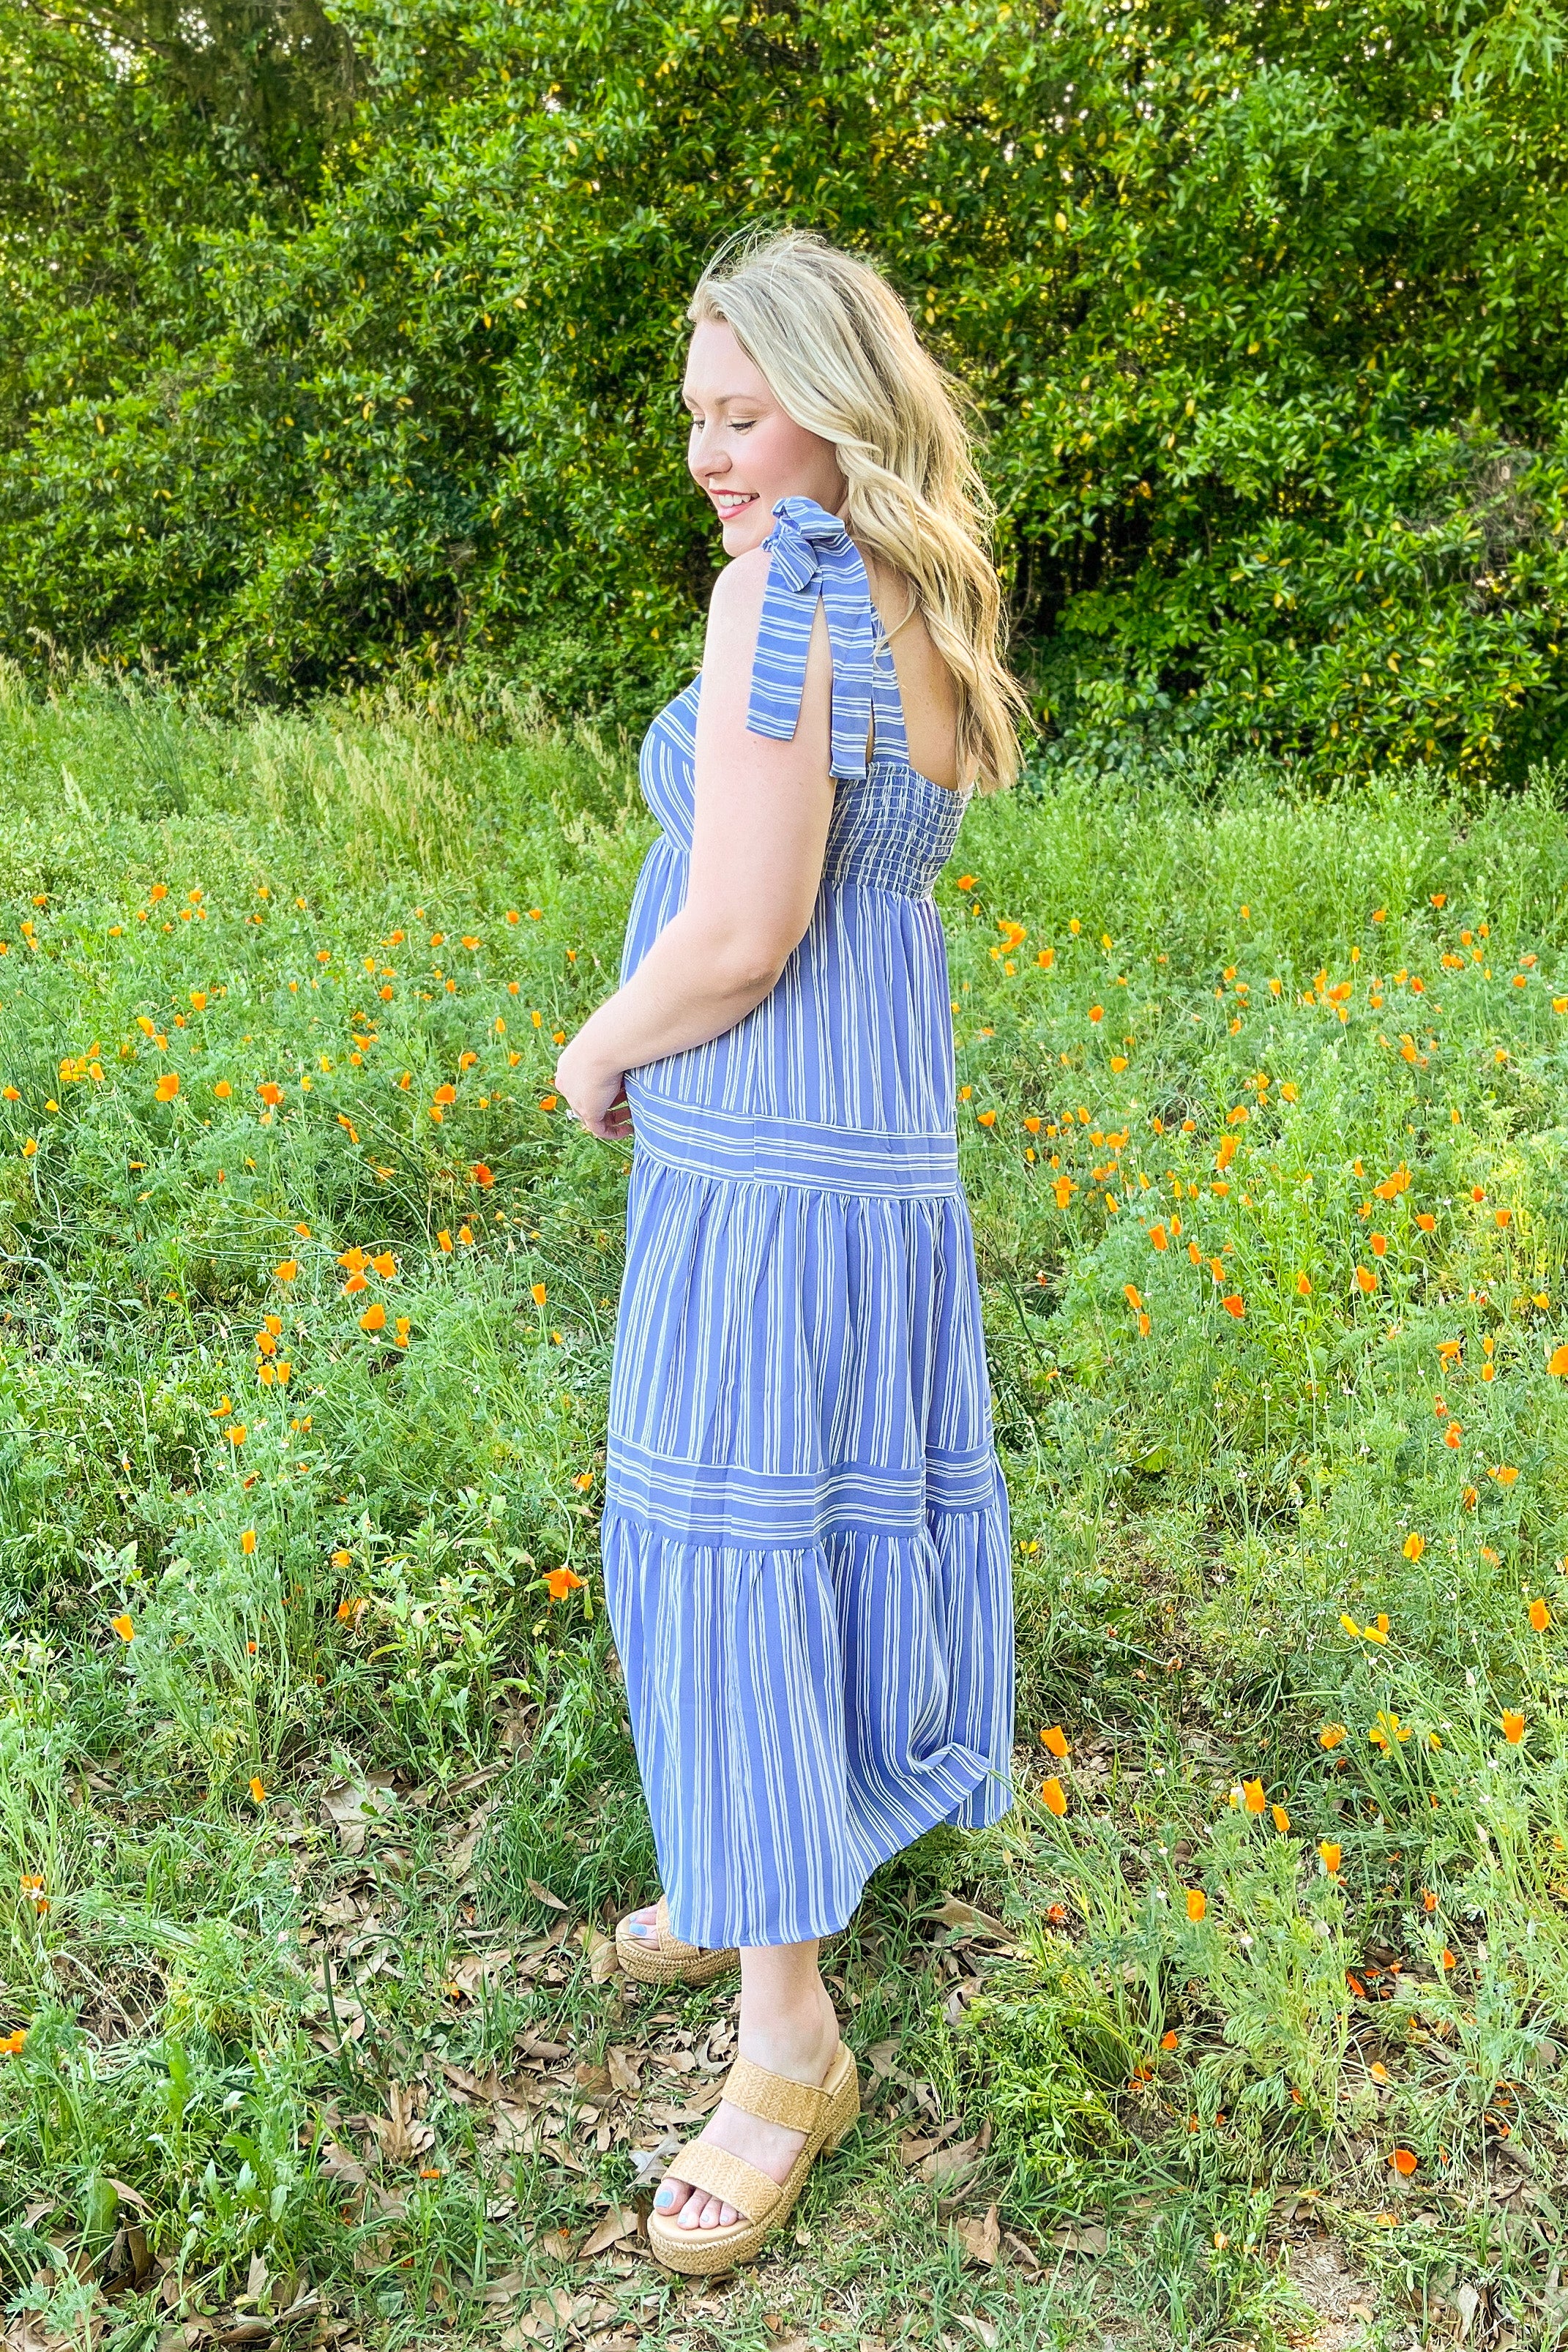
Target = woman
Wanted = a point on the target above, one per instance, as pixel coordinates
(805, 1539)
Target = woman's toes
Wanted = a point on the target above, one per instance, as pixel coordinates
(670, 2198)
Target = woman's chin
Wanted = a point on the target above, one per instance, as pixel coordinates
(747, 530)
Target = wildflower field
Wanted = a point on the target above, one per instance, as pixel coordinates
(1246, 2026)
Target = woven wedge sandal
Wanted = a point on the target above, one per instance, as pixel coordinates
(666, 1959)
(824, 2116)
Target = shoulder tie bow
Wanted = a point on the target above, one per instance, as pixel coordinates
(814, 556)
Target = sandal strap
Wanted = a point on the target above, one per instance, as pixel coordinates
(724, 2175)
(776, 2098)
(667, 1939)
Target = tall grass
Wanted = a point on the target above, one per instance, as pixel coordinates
(301, 1399)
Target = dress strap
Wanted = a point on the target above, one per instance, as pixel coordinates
(814, 557)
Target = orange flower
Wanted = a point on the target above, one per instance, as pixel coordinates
(964, 882)
(1540, 1616)
(1403, 2161)
(1468, 1499)
(1119, 1061)
(1452, 1435)
(1252, 1795)
(1197, 1904)
(560, 1582)
(444, 1241)
(1414, 1545)
(539, 1294)
(1303, 1286)
(1235, 1304)
(236, 1433)
(374, 1317)
(1055, 1741)
(1366, 1281)
(223, 1090)
(1055, 1797)
(286, 1271)
(1427, 1221)
(482, 1175)
(123, 1627)
(1378, 1244)
(167, 1087)
(986, 1117)
(1281, 1818)
(446, 1094)
(1097, 1012)
(1160, 1239)
(1558, 1363)
(1063, 1190)
(256, 1791)
(1329, 1855)
(247, 1541)
(1168, 2041)
(13, 2044)
(1513, 1726)
(1130, 1292)
(1032, 1124)
(1505, 1473)
(1331, 1735)
(271, 1093)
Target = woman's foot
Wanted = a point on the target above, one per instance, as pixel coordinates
(800, 2043)
(645, 1923)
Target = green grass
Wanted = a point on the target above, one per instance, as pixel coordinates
(279, 2048)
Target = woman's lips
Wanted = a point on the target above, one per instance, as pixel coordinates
(731, 503)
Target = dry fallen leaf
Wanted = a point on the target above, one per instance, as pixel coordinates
(542, 1895)
(946, 2167)
(337, 2164)
(952, 1913)
(473, 1967)
(545, 2316)
(354, 1807)
(982, 2239)
(1085, 2238)
(401, 2135)
(624, 2074)
(880, 2057)
(556, 2244)
(603, 1958)
(620, 2221)
(982, 2330)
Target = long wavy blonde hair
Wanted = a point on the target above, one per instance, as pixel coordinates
(841, 354)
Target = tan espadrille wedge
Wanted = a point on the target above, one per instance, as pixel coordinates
(824, 2116)
(666, 1959)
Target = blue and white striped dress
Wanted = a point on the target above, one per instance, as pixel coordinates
(805, 1537)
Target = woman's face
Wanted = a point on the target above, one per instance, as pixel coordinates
(744, 453)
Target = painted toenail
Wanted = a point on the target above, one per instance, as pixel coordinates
(665, 2199)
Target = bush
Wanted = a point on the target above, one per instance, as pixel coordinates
(1263, 307)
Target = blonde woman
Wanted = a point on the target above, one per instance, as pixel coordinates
(805, 1539)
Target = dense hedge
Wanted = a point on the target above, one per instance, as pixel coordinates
(360, 355)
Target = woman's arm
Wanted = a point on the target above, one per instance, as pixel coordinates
(759, 839)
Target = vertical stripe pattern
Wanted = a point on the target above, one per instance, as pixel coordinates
(805, 1537)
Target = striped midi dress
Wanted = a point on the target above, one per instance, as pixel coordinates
(807, 1557)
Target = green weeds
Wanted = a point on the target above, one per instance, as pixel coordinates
(317, 1797)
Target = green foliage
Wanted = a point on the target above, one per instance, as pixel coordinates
(373, 369)
(1199, 1509)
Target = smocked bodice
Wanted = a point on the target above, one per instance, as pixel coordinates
(891, 828)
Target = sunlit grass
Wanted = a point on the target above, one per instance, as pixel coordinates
(301, 1399)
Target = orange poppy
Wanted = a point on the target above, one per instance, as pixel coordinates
(1055, 1797)
(1055, 1740)
(1197, 1904)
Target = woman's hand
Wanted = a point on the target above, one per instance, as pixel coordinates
(595, 1092)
